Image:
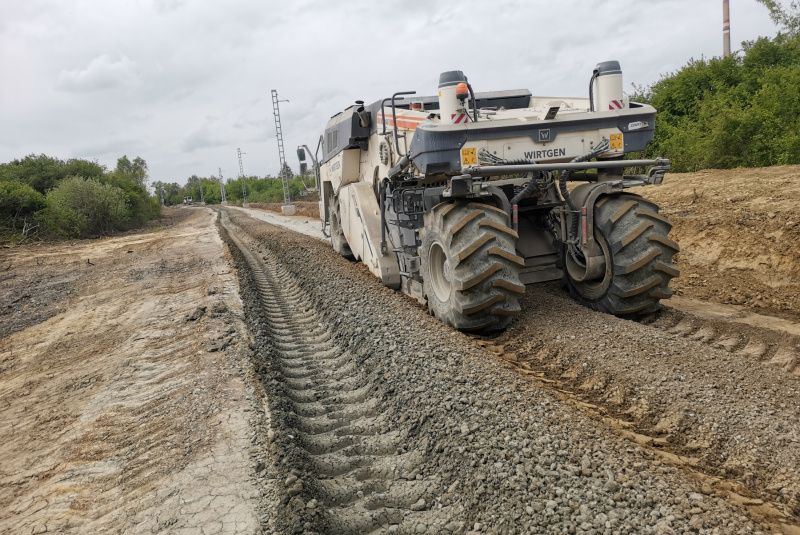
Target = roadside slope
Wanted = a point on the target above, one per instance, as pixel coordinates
(739, 232)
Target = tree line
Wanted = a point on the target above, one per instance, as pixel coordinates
(46, 197)
(265, 189)
(740, 111)
(43, 197)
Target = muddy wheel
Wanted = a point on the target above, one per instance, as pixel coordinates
(469, 268)
(338, 239)
(638, 258)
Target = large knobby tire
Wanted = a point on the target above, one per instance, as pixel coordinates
(469, 268)
(338, 239)
(639, 266)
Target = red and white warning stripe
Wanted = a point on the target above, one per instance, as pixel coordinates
(459, 118)
(615, 105)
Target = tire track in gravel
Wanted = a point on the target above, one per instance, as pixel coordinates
(712, 396)
(764, 345)
(351, 478)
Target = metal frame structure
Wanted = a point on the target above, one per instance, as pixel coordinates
(284, 172)
(224, 199)
(245, 204)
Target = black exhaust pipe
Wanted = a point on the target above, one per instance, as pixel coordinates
(362, 114)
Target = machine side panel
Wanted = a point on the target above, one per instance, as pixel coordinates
(361, 222)
(342, 169)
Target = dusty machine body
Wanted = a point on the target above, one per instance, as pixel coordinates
(461, 199)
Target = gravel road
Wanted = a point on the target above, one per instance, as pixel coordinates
(384, 419)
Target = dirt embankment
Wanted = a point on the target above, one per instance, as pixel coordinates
(739, 232)
(123, 368)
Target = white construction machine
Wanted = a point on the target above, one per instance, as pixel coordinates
(461, 199)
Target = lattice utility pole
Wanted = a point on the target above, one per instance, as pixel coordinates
(245, 204)
(287, 208)
(222, 188)
(162, 195)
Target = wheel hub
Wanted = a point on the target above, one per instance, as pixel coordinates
(441, 272)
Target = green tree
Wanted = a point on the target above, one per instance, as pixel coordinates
(80, 208)
(131, 177)
(786, 18)
(743, 110)
(18, 204)
(135, 171)
(43, 173)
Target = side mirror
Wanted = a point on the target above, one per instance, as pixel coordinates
(301, 154)
(303, 168)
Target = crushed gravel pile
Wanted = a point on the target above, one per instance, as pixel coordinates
(473, 445)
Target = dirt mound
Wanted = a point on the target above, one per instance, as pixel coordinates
(739, 232)
(304, 208)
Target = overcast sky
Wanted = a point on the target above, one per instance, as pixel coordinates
(184, 83)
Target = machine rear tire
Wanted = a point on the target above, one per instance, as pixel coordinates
(639, 253)
(469, 267)
(338, 239)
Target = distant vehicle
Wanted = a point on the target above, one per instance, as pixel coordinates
(188, 200)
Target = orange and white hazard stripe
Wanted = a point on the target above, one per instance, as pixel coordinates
(403, 121)
(459, 118)
(615, 105)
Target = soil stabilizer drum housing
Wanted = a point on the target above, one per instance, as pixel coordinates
(461, 199)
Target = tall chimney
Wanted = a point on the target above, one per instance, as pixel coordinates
(726, 30)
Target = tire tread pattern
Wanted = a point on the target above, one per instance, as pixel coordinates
(484, 270)
(642, 257)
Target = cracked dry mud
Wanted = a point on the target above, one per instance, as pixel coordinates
(120, 415)
(177, 389)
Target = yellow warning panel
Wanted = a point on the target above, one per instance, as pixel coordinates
(616, 142)
(468, 157)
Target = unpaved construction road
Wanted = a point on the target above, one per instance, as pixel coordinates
(225, 375)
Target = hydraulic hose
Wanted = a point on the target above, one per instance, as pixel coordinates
(595, 74)
(474, 103)
(529, 187)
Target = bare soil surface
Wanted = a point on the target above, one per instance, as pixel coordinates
(123, 386)
(243, 378)
(739, 232)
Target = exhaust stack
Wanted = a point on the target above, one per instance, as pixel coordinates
(362, 114)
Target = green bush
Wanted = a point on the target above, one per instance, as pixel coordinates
(79, 208)
(741, 111)
(18, 203)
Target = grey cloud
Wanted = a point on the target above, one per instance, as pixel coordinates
(165, 6)
(202, 139)
(102, 73)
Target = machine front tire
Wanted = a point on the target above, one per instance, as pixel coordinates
(469, 267)
(639, 258)
(338, 239)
